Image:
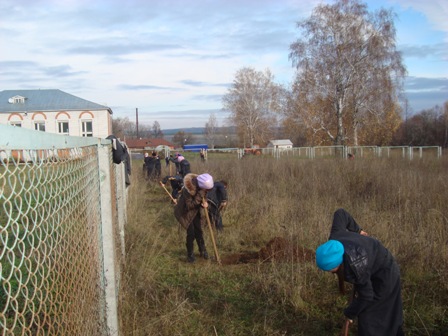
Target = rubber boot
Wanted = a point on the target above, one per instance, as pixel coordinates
(203, 252)
(190, 253)
(190, 258)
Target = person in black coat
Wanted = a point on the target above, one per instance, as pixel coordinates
(217, 200)
(175, 161)
(150, 163)
(176, 182)
(370, 267)
(157, 166)
(184, 166)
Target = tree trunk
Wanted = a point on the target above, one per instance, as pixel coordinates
(355, 134)
(339, 140)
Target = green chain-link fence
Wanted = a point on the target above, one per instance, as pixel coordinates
(62, 210)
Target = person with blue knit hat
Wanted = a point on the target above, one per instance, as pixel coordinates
(364, 262)
(329, 255)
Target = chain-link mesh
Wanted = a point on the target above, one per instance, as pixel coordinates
(50, 250)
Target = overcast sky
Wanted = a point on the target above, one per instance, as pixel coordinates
(175, 59)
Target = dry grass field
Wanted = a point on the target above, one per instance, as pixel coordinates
(402, 203)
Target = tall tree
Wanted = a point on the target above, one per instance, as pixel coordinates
(123, 127)
(211, 130)
(429, 127)
(253, 100)
(349, 73)
(156, 131)
(182, 138)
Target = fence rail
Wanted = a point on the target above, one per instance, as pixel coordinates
(406, 152)
(62, 216)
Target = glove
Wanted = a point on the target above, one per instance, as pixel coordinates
(222, 205)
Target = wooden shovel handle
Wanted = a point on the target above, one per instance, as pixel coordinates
(211, 233)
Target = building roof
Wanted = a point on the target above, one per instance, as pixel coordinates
(151, 143)
(283, 142)
(45, 100)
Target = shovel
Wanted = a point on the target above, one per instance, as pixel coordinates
(174, 201)
(211, 233)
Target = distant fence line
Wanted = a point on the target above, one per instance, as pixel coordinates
(62, 217)
(406, 152)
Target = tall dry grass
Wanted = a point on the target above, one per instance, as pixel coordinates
(402, 203)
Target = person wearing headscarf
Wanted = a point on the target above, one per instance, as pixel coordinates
(149, 165)
(184, 166)
(188, 211)
(364, 262)
(150, 162)
(145, 172)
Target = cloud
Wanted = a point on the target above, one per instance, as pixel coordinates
(438, 50)
(177, 119)
(420, 84)
(61, 71)
(146, 87)
(212, 98)
(435, 10)
(17, 64)
(194, 83)
(118, 48)
(424, 93)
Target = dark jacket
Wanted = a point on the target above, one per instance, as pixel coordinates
(176, 182)
(150, 162)
(217, 195)
(184, 168)
(371, 268)
(190, 200)
(177, 163)
(157, 165)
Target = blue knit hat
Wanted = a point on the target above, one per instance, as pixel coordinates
(329, 255)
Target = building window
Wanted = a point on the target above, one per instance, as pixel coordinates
(63, 127)
(16, 123)
(87, 129)
(16, 100)
(39, 126)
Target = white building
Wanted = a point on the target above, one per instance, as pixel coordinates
(55, 111)
(279, 144)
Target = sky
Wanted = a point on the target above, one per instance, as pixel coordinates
(174, 60)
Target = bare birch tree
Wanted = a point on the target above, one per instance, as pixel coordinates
(122, 127)
(348, 70)
(211, 130)
(253, 101)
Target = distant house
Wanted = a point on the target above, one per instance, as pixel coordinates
(280, 144)
(55, 111)
(148, 144)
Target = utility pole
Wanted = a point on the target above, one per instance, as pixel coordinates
(136, 121)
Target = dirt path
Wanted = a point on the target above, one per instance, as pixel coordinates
(278, 249)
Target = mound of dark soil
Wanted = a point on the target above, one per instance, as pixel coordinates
(278, 249)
